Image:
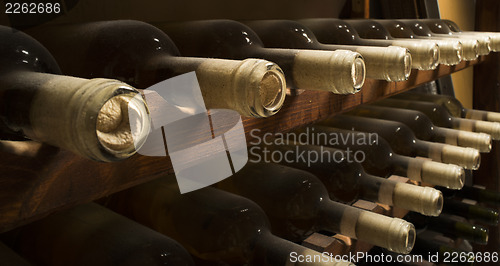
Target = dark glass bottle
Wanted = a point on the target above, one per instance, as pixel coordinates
(298, 204)
(474, 212)
(37, 102)
(377, 157)
(347, 181)
(482, 195)
(425, 55)
(441, 29)
(450, 51)
(143, 55)
(338, 71)
(424, 129)
(403, 141)
(213, 225)
(93, 235)
(427, 247)
(454, 106)
(441, 117)
(469, 46)
(9, 257)
(450, 227)
(386, 63)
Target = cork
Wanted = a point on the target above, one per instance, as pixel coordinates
(113, 127)
(393, 234)
(425, 54)
(340, 71)
(391, 63)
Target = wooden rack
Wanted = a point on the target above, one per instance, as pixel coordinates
(36, 179)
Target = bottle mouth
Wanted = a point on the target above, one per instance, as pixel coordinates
(123, 124)
(434, 57)
(271, 91)
(405, 236)
(259, 88)
(358, 73)
(438, 203)
(407, 61)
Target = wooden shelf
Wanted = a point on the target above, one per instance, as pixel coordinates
(36, 180)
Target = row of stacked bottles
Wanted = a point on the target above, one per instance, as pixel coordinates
(260, 215)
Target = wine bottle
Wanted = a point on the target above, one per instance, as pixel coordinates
(213, 225)
(494, 36)
(450, 227)
(9, 257)
(439, 27)
(87, 117)
(454, 106)
(347, 181)
(425, 55)
(384, 63)
(469, 46)
(369, 29)
(90, 234)
(339, 71)
(377, 157)
(429, 247)
(478, 213)
(424, 129)
(450, 51)
(442, 118)
(142, 55)
(403, 141)
(298, 204)
(481, 195)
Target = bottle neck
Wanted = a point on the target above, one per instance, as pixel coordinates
(446, 175)
(475, 233)
(479, 141)
(491, 128)
(480, 115)
(96, 124)
(468, 158)
(474, 212)
(340, 71)
(252, 87)
(391, 233)
(425, 200)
